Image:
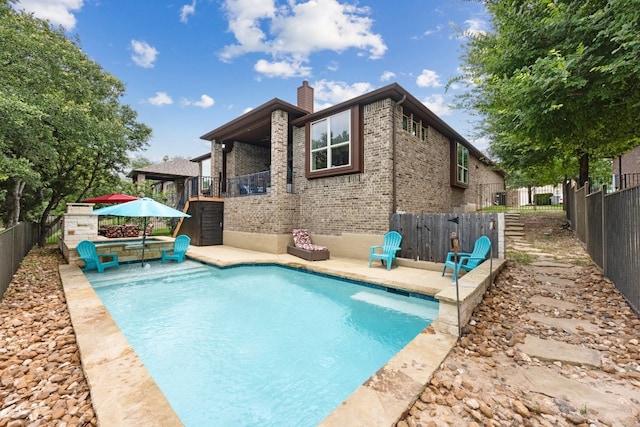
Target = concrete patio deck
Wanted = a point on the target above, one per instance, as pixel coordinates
(124, 394)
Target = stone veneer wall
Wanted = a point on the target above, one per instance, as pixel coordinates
(78, 223)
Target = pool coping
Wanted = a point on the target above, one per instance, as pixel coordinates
(124, 394)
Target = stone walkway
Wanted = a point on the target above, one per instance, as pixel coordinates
(552, 344)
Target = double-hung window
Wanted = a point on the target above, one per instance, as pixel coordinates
(460, 165)
(334, 144)
(331, 142)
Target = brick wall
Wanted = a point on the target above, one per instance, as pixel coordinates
(422, 171)
(630, 162)
(356, 203)
(248, 158)
(353, 204)
(272, 213)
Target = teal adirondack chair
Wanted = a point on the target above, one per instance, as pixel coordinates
(180, 246)
(92, 260)
(468, 261)
(390, 246)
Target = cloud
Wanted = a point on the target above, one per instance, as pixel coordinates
(291, 32)
(281, 69)
(387, 75)
(57, 12)
(434, 30)
(334, 92)
(186, 10)
(429, 32)
(205, 102)
(474, 27)
(437, 104)
(160, 99)
(428, 78)
(144, 54)
(482, 143)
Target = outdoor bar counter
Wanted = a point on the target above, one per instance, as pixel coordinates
(128, 250)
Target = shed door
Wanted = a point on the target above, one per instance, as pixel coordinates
(211, 223)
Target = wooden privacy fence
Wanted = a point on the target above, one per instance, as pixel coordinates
(609, 226)
(427, 237)
(15, 243)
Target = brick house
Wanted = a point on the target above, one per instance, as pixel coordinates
(387, 153)
(626, 170)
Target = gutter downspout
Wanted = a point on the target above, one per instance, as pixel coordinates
(394, 202)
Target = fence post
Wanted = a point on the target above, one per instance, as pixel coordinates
(603, 236)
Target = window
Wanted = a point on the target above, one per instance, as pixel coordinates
(460, 171)
(405, 122)
(331, 141)
(334, 145)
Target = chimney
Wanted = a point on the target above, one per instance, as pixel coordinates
(305, 97)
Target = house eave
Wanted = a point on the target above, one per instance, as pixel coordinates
(248, 122)
(395, 92)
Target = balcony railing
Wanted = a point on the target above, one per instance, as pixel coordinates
(246, 185)
(202, 186)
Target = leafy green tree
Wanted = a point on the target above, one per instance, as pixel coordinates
(556, 80)
(63, 129)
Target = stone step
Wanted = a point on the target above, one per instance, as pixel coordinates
(513, 224)
(514, 233)
(552, 350)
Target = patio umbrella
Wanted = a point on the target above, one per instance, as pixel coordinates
(111, 198)
(144, 208)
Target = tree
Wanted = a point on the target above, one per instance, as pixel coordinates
(556, 80)
(62, 126)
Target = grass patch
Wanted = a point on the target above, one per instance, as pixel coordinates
(520, 257)
(161, 232)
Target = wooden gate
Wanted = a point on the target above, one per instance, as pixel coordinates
(206, 223)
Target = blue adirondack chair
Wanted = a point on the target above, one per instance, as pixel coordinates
(180, 246)
(390, 246)
(92, 260)
(468, 261)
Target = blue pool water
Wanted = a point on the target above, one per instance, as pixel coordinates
(257, 345)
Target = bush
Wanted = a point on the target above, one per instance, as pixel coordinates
(542, 199)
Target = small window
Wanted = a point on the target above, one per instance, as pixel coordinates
(405, 123)
(423, 133)
(462, 164)
(414, 128)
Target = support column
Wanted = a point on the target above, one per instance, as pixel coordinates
(279, 135)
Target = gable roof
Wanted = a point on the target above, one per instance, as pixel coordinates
(176, 168)
(398, 94)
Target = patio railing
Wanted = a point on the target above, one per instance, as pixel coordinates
(252, 184)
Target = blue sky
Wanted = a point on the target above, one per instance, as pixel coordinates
(190, 66)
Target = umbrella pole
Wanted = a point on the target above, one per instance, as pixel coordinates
(144, 237)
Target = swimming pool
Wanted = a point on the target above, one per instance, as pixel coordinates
(257, 345)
